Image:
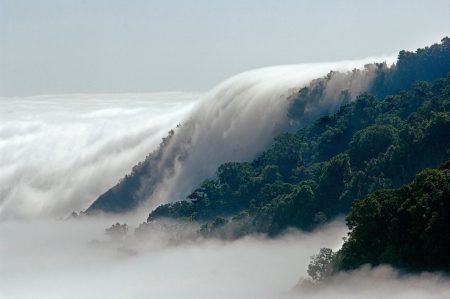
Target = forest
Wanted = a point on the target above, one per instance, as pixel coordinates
(309, 177)
(426, 64)
(357, 161)
(407, 228)
(415, 219)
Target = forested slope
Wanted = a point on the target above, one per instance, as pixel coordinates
(301, 157)
(408, 228)
(308, 177)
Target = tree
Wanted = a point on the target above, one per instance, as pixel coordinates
(322, 264)
(117, 231)
(370, 142)
(308, 177)
(408, 228)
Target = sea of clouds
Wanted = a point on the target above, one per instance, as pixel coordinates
(60, 152)
(76, 259)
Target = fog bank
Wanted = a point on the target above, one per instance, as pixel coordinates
(378, 282)
(60, 152)
(75, 259)
(55, 259)
(238, 119)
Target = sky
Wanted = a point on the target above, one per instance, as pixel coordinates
(98, 46)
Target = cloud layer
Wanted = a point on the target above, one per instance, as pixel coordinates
(58, 153)
(59, 259)
(238, 119)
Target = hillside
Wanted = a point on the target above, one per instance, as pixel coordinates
(426, 64)
(307, 178)
(408, 228)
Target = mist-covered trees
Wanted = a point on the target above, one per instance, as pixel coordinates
(401, 136)
(322, 265)
(125, 195)
(308, 177)
(425, 64)
(117, 231)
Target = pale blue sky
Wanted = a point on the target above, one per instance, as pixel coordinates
(73, 46)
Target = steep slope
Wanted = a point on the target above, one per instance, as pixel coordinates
(234, 121)
(188, 155)
(125, 195)
(309, 177)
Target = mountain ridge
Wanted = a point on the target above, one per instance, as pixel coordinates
(122, 197)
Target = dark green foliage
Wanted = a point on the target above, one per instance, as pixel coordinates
(368, 143)
(178, 210)
(387, 143)
(425, 64)
(332, 183)
(307, 178)
(294, 209)
(408, 227)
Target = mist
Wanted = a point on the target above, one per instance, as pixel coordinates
(59, 152)
(75, 259)
(238, 119)
(235, 121)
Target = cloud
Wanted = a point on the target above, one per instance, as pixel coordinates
(238, 119)
(378, 282)
(59, 259)
(58, 153)
(65, 263)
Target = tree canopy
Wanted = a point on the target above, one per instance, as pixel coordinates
(308, 177)
(408, 228)
(391, 126)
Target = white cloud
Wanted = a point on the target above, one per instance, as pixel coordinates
(237, 119)
(58, 153)
(57, 259)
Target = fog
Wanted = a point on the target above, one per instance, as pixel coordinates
(75, 259)
(238, 119)
(378, 282)
(59, 152)
(43, 260)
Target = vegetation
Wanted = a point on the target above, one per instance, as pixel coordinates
(273, 184)
(127, 193)
(378, 79)
(308, 177)
(373, 144)
(322, 265)
(408, 228)
(117, 231)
